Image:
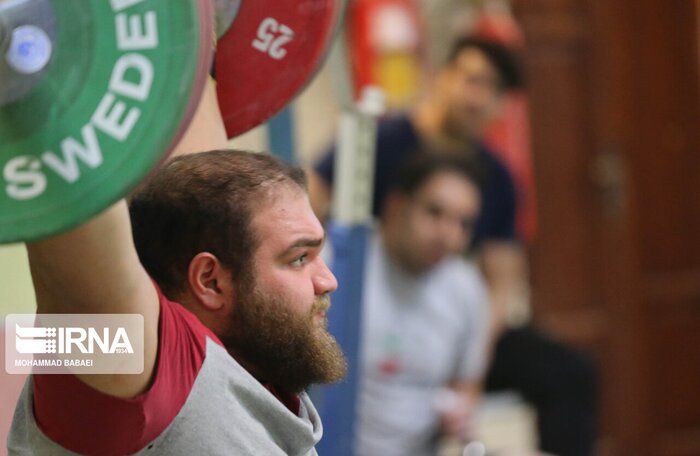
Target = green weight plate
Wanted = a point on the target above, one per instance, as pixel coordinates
(122, 83)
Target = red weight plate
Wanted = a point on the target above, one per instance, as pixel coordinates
(267, 56)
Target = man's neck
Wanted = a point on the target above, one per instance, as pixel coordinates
(430, 121)
(287, 398)
(245, 364)
(389, 242)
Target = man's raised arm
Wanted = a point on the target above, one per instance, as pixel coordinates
(94, 268)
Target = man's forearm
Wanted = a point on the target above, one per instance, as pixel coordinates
(504, 266)
(206, 131)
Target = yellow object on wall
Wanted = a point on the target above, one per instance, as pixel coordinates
(398, 74)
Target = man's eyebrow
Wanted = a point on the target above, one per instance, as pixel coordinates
(307, 242)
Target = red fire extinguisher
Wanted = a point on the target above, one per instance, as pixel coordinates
(385, 48)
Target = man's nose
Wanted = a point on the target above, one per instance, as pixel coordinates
(453, 236)
(324, 280)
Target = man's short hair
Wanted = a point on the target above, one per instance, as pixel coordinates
(205, 203)
(500, 56)
(420, 167)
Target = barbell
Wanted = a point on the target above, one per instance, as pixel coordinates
(95, 93)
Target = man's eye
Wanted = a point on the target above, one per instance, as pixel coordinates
(299, 261)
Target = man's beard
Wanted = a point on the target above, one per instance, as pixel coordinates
(284, 348)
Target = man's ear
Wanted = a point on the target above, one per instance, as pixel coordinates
(209, 282)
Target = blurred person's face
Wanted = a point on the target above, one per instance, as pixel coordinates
(471, 92)
(436, 221)
(279, 321)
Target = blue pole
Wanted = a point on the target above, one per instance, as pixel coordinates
(337, 403)
(280, 134)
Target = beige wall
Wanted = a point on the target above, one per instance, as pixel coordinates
(16, 293)
(316, 115)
